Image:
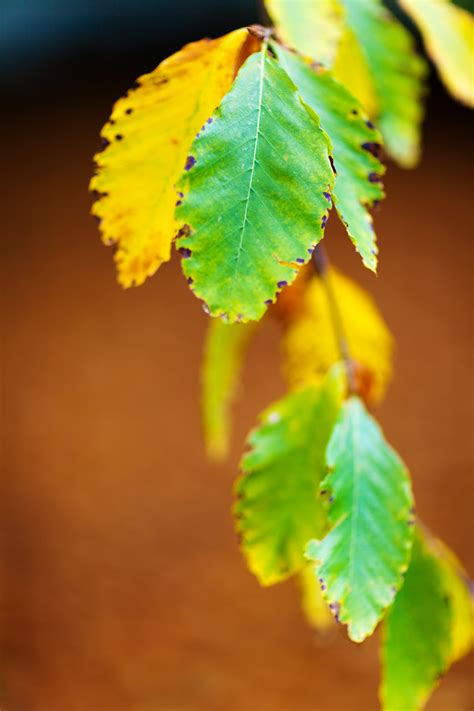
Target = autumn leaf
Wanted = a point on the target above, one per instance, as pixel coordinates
(315, 28)
(355, 143)
(448, 34)
(278, 508)
(254, 205)
(309, 343)
(146, 145)
(362, 559)
(372, 54)
(224, 351)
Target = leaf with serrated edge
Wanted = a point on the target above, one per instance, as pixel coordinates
(310, 347)
(278, 508)
(415, 646)
(362, 559)
(254, 194)
(224, 351)
(314, 27)
(147, 141)
(355, 149)
(397, 75)
(448, 33)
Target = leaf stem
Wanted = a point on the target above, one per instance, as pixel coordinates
(321, 265)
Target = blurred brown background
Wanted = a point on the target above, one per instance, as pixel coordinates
(122, 585)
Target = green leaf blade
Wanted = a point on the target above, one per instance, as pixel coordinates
(416, 647)
(362, 559)
(355, 145)
(254, 203)
(278, 508)
(398, 75)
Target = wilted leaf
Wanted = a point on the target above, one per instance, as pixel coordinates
(254, 199)
(278, 508)
(362, 559)
(223, 354)
(396, 74)
(314, 606)
(309, 342)
(147, 141)
(416, 648)
(355, 146)
(448, 33)
(313, 27)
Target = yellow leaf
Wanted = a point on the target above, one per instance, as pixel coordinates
(315, 608)
(310, 346)
(448, 34)
(312, 28)
(224, 351)
(351, 69)
(147, 141)
(457, 586)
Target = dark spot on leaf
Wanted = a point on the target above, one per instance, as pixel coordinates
(374, 178)
(118, 136)
(331, 499)
(190, 281)
(128, 111)
(190, 161)
(268, 302)
(97, 219)
(184, 231)
(369, 124)
(324, 221)
(328, 197)
(323, 492)
(105, 142)
(185, 252)
(281, 284)
(178, 203)
(331, 160)
(372, 147)
(300, 260)
(209, 120)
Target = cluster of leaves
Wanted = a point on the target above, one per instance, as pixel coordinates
(237, 149)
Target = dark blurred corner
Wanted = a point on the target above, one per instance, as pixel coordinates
(122, 585)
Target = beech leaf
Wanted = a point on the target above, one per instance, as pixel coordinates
(254, 205)
(309, 343)
(361, 561)
(448, 34)
(278, 508)
(146, 144)
(224, 351)
(356, 144)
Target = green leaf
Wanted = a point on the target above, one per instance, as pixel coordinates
(254, 203)
(224, 351)
(397, 74)
(355, 148)
(278, 508)
(416, 647)
(362, 559)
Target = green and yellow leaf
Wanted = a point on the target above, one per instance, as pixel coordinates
(315, 28)
(224, 351)
(314, 606)
(362, 559)
(372, 54)
(147, 141)
(355, 145)
(415, 648)
(396, 72)
(309, 342)
(278, 508)
(254, 194)
(448, 34)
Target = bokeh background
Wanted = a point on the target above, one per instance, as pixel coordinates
(122, 585)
